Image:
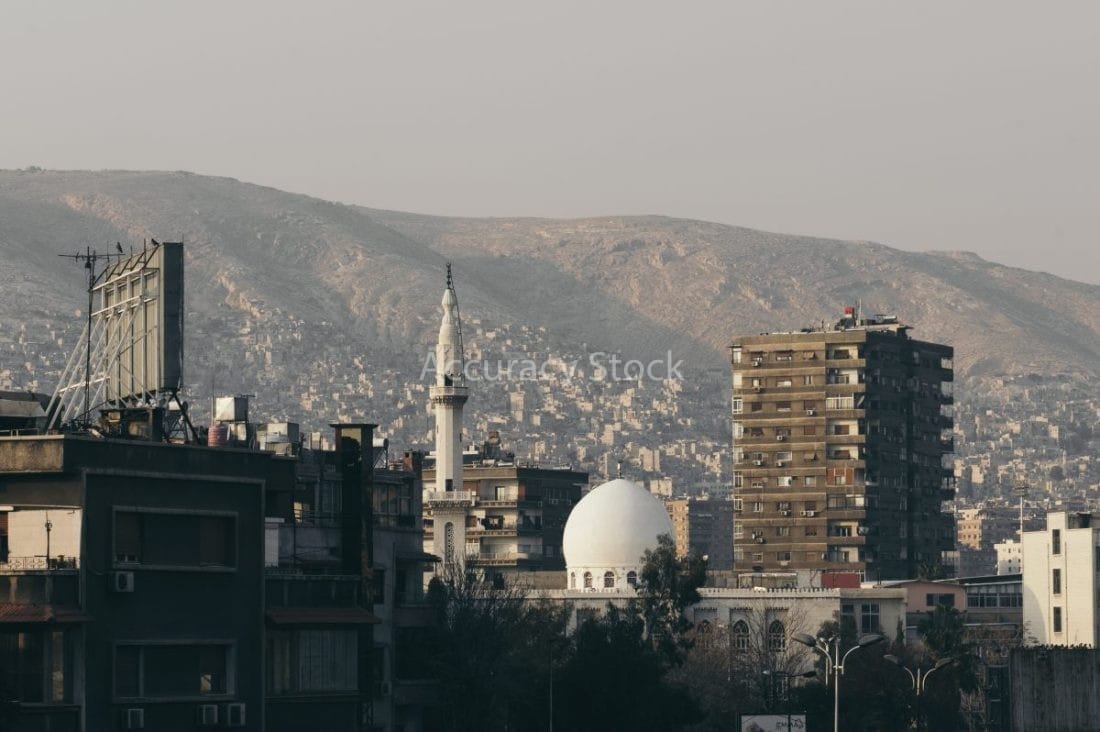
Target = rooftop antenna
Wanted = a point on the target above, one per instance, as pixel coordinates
(90, 258)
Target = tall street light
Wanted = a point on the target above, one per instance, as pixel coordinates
(919, 679)
(834, 662)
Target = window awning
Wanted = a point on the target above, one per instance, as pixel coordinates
(18, 614)
(321, 616)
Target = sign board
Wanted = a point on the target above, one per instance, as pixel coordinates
(773, 723)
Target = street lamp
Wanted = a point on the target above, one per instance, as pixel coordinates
(919, 679)
(834, 662)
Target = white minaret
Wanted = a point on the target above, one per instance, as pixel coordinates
(449, 393)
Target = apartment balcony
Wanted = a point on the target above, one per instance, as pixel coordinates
(508, 502)
(28, 581)
(855, 438)
(449, 498)
(501, 559)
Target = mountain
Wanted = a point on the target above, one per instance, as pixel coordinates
(326, 311)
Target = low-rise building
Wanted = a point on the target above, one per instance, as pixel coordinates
(1059, 581)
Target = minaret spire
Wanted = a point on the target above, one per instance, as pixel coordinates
(449, 393)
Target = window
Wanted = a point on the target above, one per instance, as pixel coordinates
(809, 430)
(757, 506)
(945, 600)
(782, 530)
(1056, 582)
(777, 637)
(782, 556)
(782, 406)
(868, 618)
(738, 429)
(608, 580)
(756, 407)
(783, 383)
(836, 502)
(784, 481)
(738, 406)
(632, 578)
(572, 580)
(1057, 620)
(808, 380)
(173, 670)
(1056, 541)
(738, 504)
(810, 531)
(739, 637)
(449, 543)
(737, 354)
(588, 580)
(175, 538)
(810, 480)
(35, 666)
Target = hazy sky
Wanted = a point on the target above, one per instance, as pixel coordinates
(925, 125)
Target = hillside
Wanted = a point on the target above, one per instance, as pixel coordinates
(326, 311)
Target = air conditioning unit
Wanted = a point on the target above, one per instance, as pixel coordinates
(133, 719)
(758, 362)
(207, 715)
(811, 412)
(234, 714)
(811, 514)
(780, 438)
(757, 463)
(786, 513)
(780, 464)
(758, 388)
(122, 582)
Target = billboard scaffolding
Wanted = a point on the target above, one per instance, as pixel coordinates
(131, 352)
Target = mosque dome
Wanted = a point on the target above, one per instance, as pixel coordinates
(607, 533)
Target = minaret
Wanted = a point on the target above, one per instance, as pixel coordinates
(449, 393)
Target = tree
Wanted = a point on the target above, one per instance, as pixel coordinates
(616, 680)
(493, 654)
(944, 636)
(666, 586)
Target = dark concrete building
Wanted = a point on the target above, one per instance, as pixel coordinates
(132, 585)
(840, 436)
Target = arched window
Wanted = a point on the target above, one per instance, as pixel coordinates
(572, 580)
(777, 637)
(609, 580)
(449, 543)
(739, 637)
(703, 635)
(588, 580)
(632, 578)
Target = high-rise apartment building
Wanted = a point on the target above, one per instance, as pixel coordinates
(839, 439)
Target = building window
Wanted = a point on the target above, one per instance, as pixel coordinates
(777, 637)
(632, 578)
(572, 580)
(782, 556)
(782, 406)
(588, 580)
(175, 539)
(757, 506)
(35, 666)
(449, 543)
(173, 670)
(868, 618)
(739, 637)
(608, 580)
(1057, 620)
(782, 530)
(738, 406)
(1056, 582)
(1056, 541)
(810, 481)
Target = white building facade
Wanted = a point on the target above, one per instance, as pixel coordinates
(1010, 557)
(1060, 597)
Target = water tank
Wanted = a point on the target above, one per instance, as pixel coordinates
(218, 436)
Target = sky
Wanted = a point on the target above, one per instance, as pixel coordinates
(927, 126)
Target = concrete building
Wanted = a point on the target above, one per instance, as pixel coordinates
(132, 585)
(839, 442)
(1059, 581)
(1010, 557)
(703, 526)
(981, 528)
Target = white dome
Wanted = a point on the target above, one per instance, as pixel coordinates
(613, 525)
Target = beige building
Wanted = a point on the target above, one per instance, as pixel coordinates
(703, 526)
(840, 437)
(1060, 587)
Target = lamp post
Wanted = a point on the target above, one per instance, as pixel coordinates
(834, 662)
(919, 679)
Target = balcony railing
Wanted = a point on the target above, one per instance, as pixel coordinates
(449, 497)
(38, 563)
